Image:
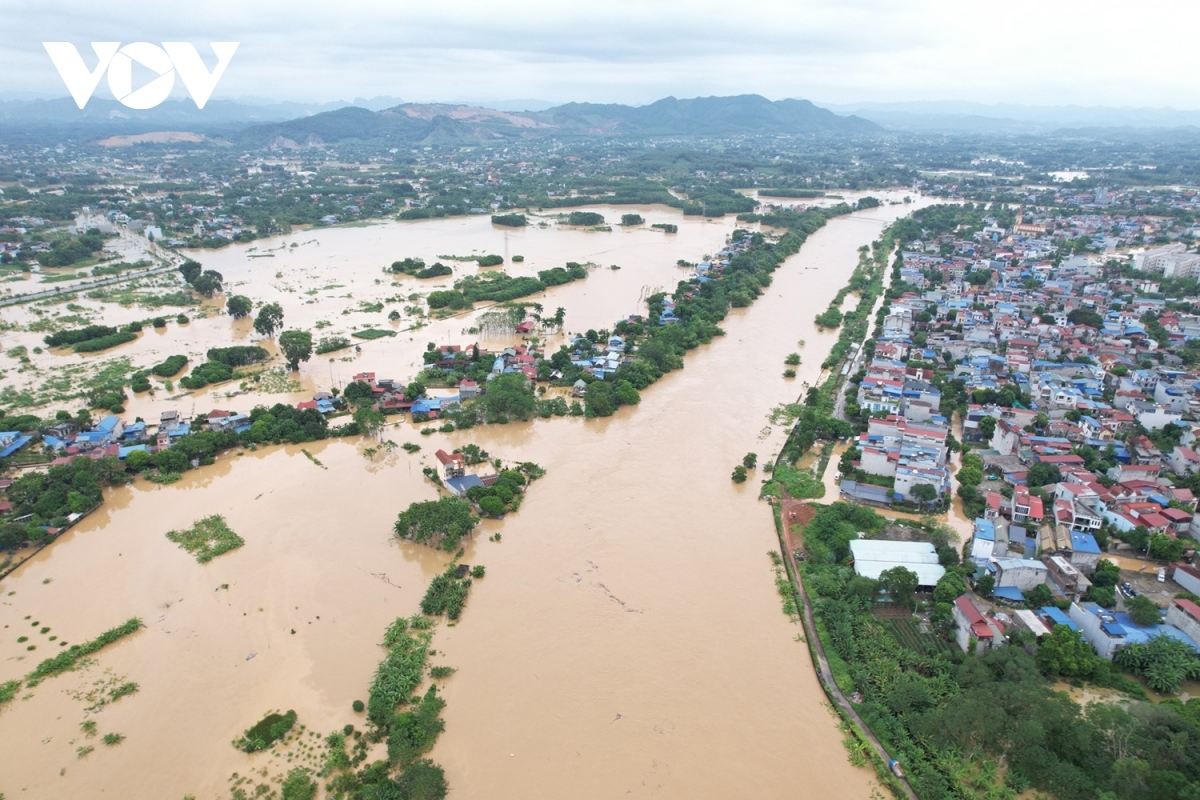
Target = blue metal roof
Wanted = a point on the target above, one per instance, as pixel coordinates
(460, 485)
(1009, 593)
(1057, 616)
(1084, 543)
(16, 444)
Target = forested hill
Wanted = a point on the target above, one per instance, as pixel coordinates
(706, 116)
(415, 123)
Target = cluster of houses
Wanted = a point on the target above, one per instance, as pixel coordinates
(113, 436)
(1071, 357)
(1106, 631)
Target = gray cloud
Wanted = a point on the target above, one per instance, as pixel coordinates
(1066, 51)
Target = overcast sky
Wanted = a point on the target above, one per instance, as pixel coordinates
(834, 51)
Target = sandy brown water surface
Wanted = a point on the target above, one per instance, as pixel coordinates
(627, 639)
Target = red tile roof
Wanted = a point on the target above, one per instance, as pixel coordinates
(979, 627)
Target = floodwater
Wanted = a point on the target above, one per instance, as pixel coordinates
(626, 640)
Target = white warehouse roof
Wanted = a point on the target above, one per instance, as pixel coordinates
(874, 556)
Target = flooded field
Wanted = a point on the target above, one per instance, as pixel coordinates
(627, 638)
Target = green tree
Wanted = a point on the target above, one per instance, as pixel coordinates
(446, 521)
(510, 395)
(239, 306)
(1039, 596)
(1164, 547)
(1107, 573)
(924, 492)
(970, 475)
(137, 460)
(208, 284)
(949, 587)
(626, 394)
(900, 583)
(1085, 316)
(297, 346)
(358, 391)
(190, 270)
(1063, 653)
(1142, 610)
(739, 474)
(599, 400)
(987, 428)
(492, 506)
(942, 619)
(985, 585)
(1041, 474)
(269, 319)
(298, 785)
(369, 421)
(750, 460)
(414, 390)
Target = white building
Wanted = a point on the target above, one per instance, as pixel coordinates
(872, 557)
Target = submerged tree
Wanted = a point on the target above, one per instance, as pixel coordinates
(269, 319)
(297, 346)
(239, 306)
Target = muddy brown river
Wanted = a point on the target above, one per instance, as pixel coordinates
(627, 639)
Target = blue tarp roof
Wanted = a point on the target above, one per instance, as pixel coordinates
(1057, 616)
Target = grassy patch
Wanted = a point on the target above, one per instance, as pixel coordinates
(67, 659)
(207, 539)
(269, 730)
(372, 333)
(799, 483)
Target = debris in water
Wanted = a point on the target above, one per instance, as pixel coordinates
(252, 655)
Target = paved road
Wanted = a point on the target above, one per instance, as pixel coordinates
(826, 674)
(173, 261)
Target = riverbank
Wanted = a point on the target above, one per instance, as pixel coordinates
(601, 600)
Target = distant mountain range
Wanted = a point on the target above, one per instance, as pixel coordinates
(386, 120)
(436, 123)
(295, 124)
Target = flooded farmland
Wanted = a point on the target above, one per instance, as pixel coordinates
(627, 638)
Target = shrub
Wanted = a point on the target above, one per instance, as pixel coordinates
(104, 342)
(443, 521)
(266, 732)
(358, 706)
(170, 366)
(585, 218)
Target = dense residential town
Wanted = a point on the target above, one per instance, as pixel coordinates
(1074, 380)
